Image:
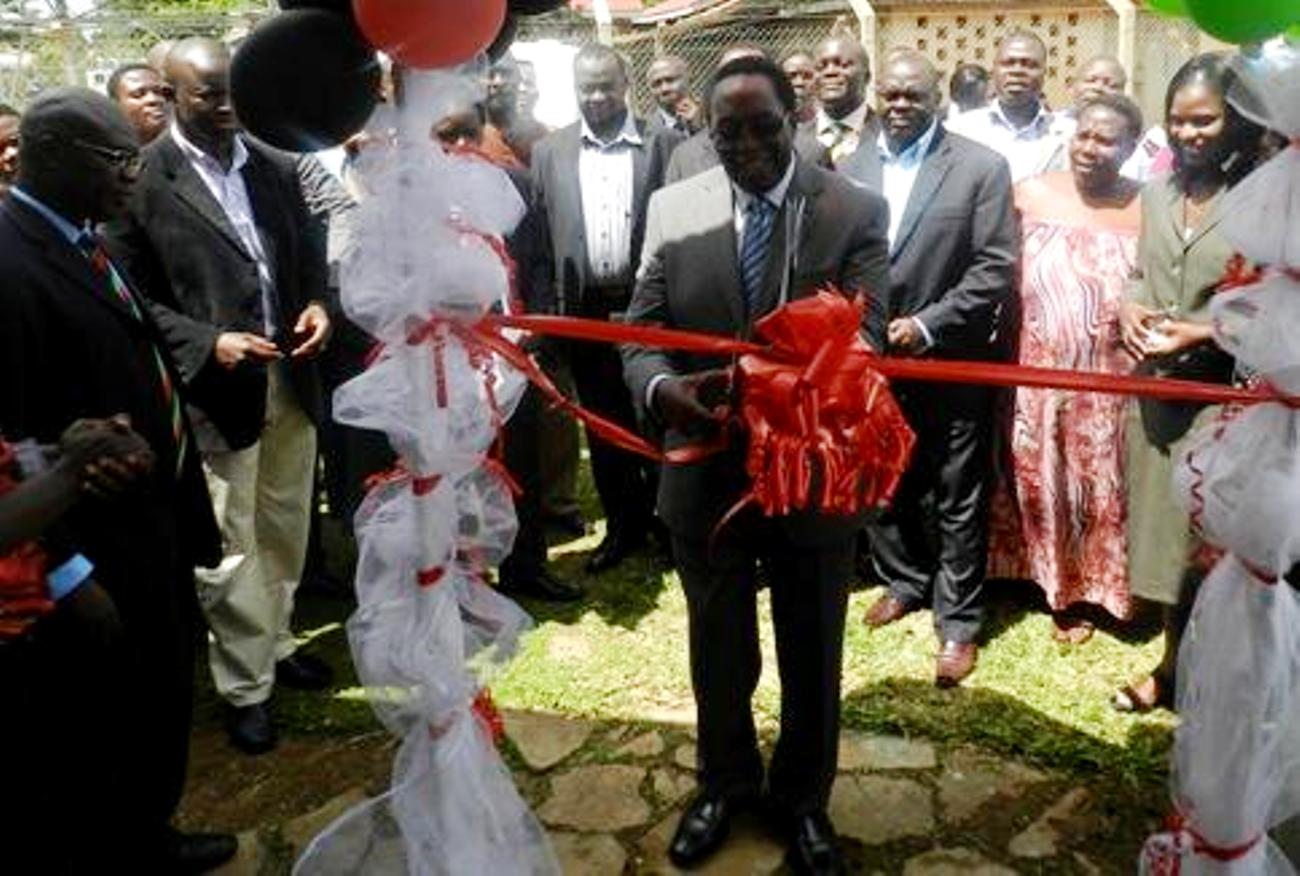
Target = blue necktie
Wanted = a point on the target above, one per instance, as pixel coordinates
(759, 216)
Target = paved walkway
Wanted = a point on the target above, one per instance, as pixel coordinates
(611, 796)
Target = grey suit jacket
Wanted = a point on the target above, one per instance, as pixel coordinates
(828, 231)
(953, 261)
(697, 155)
(863, 165)
(557, 198)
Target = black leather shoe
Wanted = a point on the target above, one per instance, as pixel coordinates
(194, 853)
(567, 524)
(303, 672)
(250, 729)
(703, 827)
(612, 550)
(813, 849)
(543, 585)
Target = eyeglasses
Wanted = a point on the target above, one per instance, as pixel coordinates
(126, 160)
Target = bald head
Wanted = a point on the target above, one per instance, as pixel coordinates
(78, 154)
(198, 70)
(1103, 74)
(908, 95)
(843, 71)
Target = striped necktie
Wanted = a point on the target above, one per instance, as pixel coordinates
(91, 246)
(759, 216)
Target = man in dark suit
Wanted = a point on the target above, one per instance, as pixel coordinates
(697, 154)
(591, 183)
(844, 123)
(722, 249)
(668, 79)
(953, 248)
(103, 720)
(222, 242)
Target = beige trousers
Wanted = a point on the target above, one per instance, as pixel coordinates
(262, 497)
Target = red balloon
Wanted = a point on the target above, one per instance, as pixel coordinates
(430, 33)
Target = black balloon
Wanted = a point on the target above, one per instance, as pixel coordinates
(304, 80)
(504, 39)
(344, 6)
(533, 7)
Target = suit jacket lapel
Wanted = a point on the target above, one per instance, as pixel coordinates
(190, 190)
(570, 190)
(640, 165)
(266, 208)
(1210, 221)
(934, 167)
(793, 217)
(67, 259)
(717, 204)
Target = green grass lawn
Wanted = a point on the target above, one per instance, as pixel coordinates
(621, 653)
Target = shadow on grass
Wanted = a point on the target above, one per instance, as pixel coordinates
(1003, 724)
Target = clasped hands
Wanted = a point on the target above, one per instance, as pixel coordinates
(234, 348)
(693, 403)
(1149, 334)
(106, 457)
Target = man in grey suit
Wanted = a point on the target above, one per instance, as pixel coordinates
(953, 248)
(591, 183)
(845, 124)
(722, 249)
(696, 154)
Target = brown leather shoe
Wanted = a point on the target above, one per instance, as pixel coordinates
(955, 662)
(885, 611)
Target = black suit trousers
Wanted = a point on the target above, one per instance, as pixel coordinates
(96, 734)
(931, 546)
(624, 480)
(809, 589)
(523, 460)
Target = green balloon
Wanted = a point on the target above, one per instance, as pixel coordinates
(1244, 21)
(1168, 7)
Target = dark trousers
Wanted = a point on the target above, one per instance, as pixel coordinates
(624, 480)
(809, 588)
(523, 459)
(95, 736)
(931, 546)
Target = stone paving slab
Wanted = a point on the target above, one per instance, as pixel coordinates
(597, 799)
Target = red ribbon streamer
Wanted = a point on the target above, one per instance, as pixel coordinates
(933, 370)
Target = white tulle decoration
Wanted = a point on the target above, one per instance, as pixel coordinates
(1236, 762)
(428, 631)
(1261, 211)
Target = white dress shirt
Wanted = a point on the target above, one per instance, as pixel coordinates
(605, 177)
(842, 136)
(1035, 148)
(899, 173)
(230, 192)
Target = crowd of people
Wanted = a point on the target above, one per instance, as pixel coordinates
(170, 335)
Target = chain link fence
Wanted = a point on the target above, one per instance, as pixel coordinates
(83, 50)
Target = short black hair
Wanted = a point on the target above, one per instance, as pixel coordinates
(598, 52)
(751, 65)
(1022, 36)
(6, 110)
(115, 78)
(967, 77)
(1123, 106)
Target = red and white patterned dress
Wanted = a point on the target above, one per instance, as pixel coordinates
(1061, 520)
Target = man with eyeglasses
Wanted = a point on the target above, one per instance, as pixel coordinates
(143, 97)
(97, 703)
(221, 240)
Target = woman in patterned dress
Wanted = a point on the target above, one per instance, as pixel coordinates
(1080, 235)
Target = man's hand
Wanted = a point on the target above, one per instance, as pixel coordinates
(688, 110)
(235, 348)
(314, 325)
(94, 613)
(905, 336)
(105, 456)
(694, 402)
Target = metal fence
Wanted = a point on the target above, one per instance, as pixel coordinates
(949, 33)
(83, 50)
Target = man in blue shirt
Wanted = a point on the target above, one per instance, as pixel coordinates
(96, 727)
